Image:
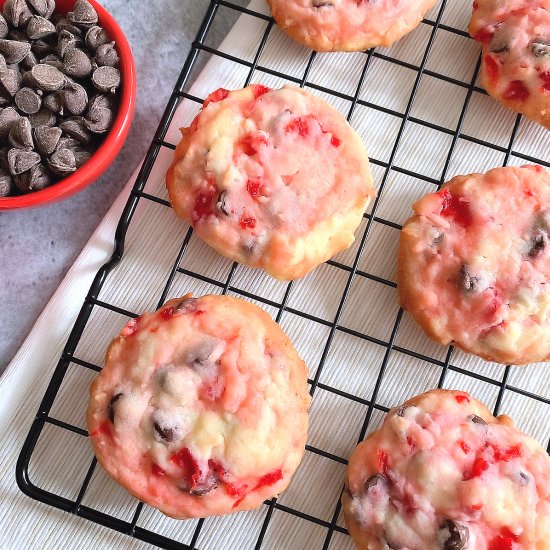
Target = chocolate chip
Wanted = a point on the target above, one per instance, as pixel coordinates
(477, 420)
(167, 434)
(95, 37)
(100, 115)
(3, 27)
(6, 183)
(54, 102)
(77, 64)
(20, 135)
(30, 61)
(17, 12)
(66, 25)
(111, 407)
(67, 143)
(539, 242)
(106, 55)
(13, 50)
(221, 203)
(523, 479)
(11, 80)
(75, 98)
(187, 305)
(106, 79)
(62, 162)
(457, 536)
(53, 60)
(20, 161)
(28, 101)
(373, 481)
(47, 77)
(39, 27)
(83, 13)
(42, 48)
(540, 47)
(77, 129)
(67, 41)
(466, 281)
(81, 156)
(44, 117)
(46, 139)
(4, 164)
(38, 177)
(44, 8)
(8, 117)
(400, 411)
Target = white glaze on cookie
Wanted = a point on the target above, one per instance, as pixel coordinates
(515, 37)
(474, 264)
(336, 25)
(443, 474)
(201, 407)
(271, 179)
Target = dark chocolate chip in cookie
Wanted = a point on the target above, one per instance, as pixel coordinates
(457, 536)
(477, 420)
(221, 203)
(538, 244)
(540, 47)
(111, 407)
(163, 432)
(187, 305)
(466, 281)
(374, 480)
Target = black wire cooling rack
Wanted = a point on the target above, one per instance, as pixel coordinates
(329, 530)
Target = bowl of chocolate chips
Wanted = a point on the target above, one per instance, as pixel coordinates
(67, 96)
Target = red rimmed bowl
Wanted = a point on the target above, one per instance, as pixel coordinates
(111, 145)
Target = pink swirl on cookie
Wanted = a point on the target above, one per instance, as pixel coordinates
(350, 25)
(201, 407)
(271, 179)
(474, 264)
(515, 38)
(443, 474)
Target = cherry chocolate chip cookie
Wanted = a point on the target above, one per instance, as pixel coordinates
(515, 38)
(474, 264)
(442, 473)
(201, 407)
(348, 25)
(275, 179)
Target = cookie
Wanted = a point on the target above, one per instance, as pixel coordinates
(201, 408)
(348, 25)
(515, 38)
(275, 179)
(442, 473)
(474, 264)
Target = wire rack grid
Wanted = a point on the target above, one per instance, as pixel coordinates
(364, 353)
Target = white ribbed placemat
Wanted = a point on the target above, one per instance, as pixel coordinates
(154, 238)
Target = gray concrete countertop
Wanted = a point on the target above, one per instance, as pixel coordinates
(38, 246)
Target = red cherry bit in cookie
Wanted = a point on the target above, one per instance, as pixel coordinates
(516, 91)
(218, 95)
(454, 207)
